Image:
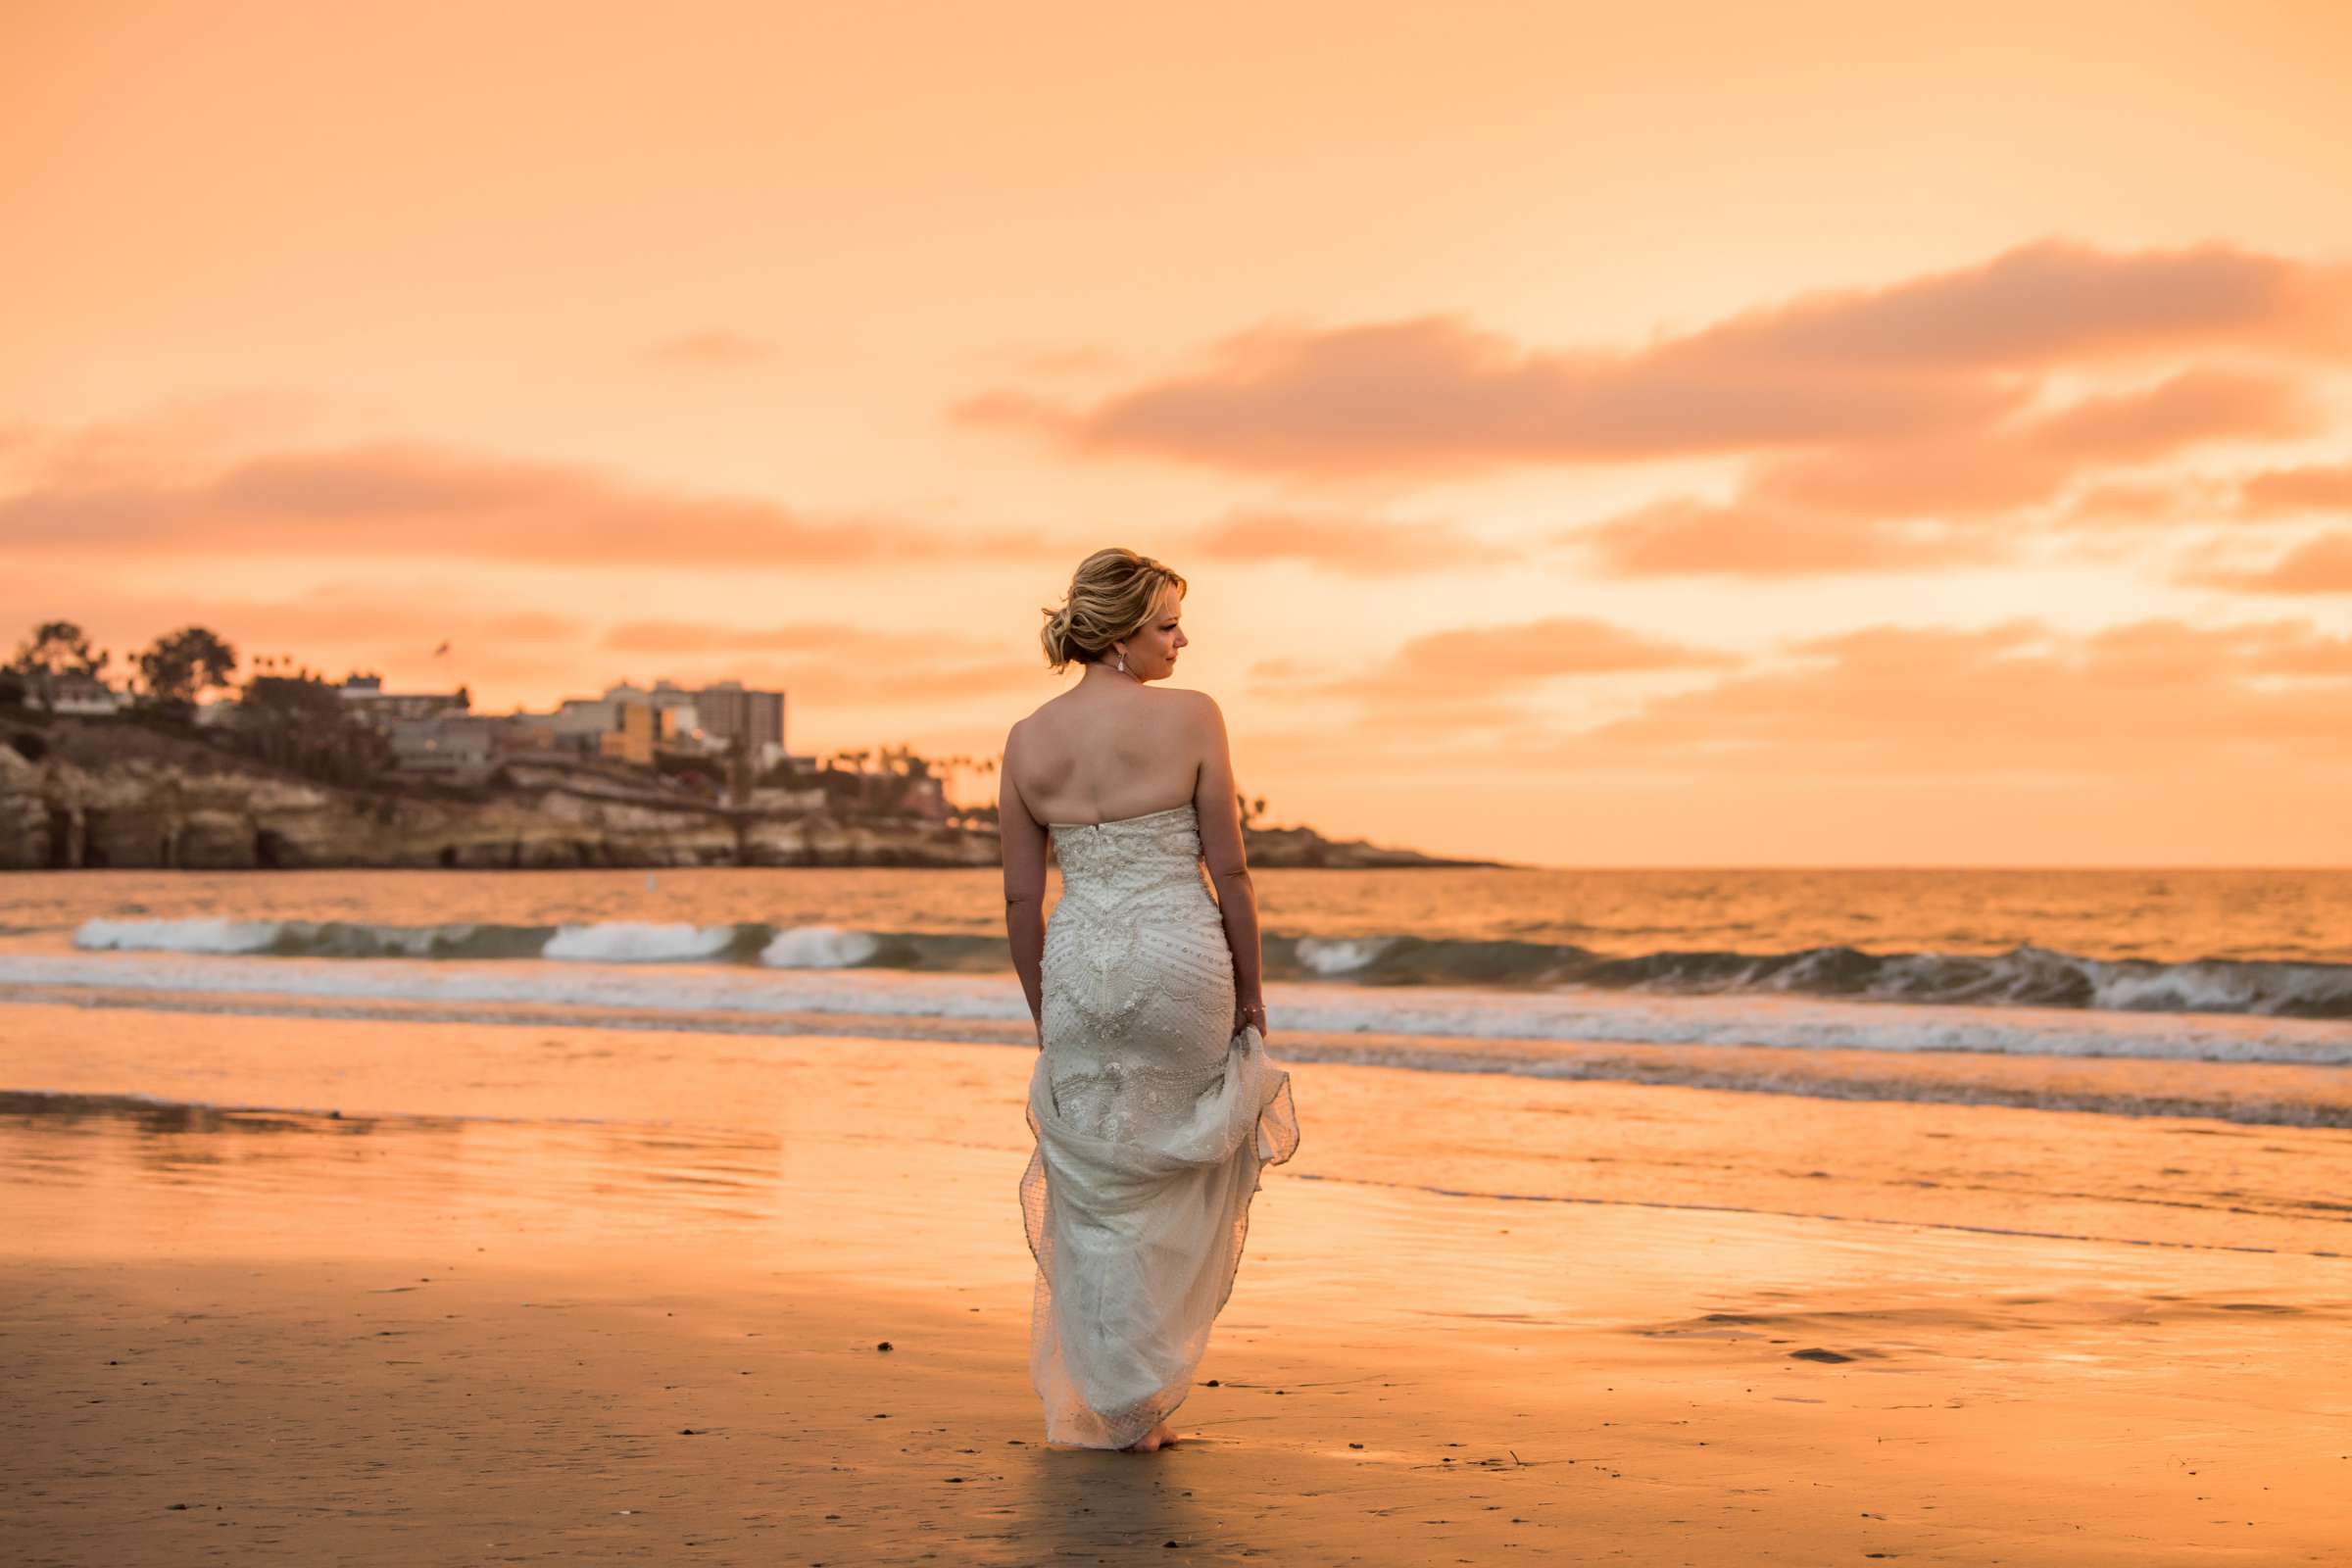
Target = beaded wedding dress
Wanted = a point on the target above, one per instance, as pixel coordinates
(1151, 1117)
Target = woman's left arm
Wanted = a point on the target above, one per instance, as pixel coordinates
(1024, 845)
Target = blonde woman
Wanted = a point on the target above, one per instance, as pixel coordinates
(1152, 1101)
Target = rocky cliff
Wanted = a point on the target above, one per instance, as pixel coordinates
(109, 793)
(153, 811)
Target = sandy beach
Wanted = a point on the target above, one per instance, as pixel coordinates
(622, 1296)
(1732, 624)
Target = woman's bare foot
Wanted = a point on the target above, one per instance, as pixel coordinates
(1163, 1436)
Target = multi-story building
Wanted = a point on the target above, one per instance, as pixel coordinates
(732, 713)
(681, 720)
(636, 729)
(579, 721)
(632, 723)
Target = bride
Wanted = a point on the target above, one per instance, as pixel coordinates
(1152, 1101)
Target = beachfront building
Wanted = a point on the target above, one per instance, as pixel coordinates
(364, 696)
(578, 721)
(681, 718)
(520, 734)
(454, 744)
(630, 723)
(733, 715)
(636, 730)
(74, 691)
(625, 725)
(925, 796)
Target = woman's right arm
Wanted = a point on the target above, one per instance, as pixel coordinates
(1024, 845)
(1218, 805)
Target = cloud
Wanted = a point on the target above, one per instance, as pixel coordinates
(2022, 695)
(829, 664)
(1943, 354)
(1361, 546)
(1434, 393)
(1475, 676)
(822, 684)
(169, 441)
(2199, 405)
(1091, 358)
(2264, 496)
(699, 637)
(717, 348)
(2318, 566)
(2149, 700)
(2047, 303)
(395, 628)
(333, 627)
(2133, 504)
(1911, 504)
(2285, 492)
(1747, 538)
(390, 499)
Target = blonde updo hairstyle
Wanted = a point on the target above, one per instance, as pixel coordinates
(1111, 596)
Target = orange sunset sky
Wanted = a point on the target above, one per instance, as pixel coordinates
(1628, 435)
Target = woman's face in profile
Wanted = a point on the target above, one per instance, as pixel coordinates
(1151, 651)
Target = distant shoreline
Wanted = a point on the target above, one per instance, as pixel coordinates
(133, 797)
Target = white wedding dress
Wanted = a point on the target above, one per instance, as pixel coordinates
(1151, 1117)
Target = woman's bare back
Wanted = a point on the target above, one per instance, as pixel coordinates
(1111, 752)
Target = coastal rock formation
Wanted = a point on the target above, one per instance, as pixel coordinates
(114, 795)
(1295, 848)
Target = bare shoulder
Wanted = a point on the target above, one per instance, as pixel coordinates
(1199, 711)
(1029, 722)
(1019, 739)
(1196, 704)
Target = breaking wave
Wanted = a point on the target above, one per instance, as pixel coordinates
(2024, 976)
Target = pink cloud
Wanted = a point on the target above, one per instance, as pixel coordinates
(697, 637)
(717, 348)
(411, 499)
(2050, 302)
(1361, 547)
(1906, 505)
(830, 665)
(2031, 461)
(1435, 393)
(2318, 565)
(2020, 696)
(1762, 538)
(2284, 492)
(1947, 353)
(1477, 676)
(336, 627)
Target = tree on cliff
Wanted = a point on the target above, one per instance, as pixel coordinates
(299, 722)
(56, 649)
(181, 667)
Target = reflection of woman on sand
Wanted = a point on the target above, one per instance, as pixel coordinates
(1152, 1101)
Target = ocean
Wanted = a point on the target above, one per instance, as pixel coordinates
(2216, 993)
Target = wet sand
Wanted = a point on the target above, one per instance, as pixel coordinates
(551, 1295)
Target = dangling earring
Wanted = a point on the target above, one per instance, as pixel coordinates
(1122, 663)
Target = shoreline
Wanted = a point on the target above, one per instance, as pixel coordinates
(596, 1293)
(2298, 1095)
